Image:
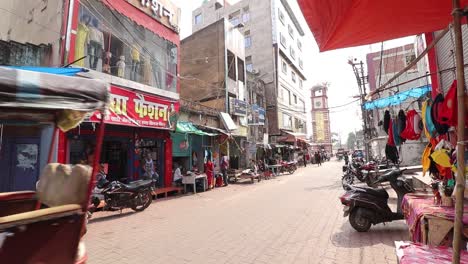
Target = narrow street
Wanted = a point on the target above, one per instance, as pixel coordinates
(291, 219)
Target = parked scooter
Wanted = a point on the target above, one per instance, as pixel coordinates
(117, 196)
(369, 206)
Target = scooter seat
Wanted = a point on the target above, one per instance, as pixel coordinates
(133, 186)
(372, 191)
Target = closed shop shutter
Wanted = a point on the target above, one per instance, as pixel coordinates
(445, 52)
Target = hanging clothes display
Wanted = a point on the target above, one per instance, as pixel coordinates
(412, 130)
(424, 120)
(81, 41)
(391, 152)
(401, 124)
(435, 115)
(448, 109)
(386, 123)
(395, 132)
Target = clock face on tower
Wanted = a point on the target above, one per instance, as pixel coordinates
(318, 103)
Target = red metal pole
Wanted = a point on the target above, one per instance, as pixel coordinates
(97, 157)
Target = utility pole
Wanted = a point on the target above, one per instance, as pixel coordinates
(358, 69)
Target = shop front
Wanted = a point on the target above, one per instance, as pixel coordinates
(137, 138)
(192, 147)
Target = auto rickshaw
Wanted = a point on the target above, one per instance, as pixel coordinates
(46, 225)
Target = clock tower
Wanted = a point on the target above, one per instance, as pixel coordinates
(321, 138)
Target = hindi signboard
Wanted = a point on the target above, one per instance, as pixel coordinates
(137, 109)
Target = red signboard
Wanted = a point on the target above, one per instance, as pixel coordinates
(138, 109)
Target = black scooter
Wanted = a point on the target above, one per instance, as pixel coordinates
(369, 206)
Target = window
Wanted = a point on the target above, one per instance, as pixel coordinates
(293, 77)
(284, 67)
(245, 17)
(291, 31)
(288, 97)
(283, 40)
(234, 21)
(301, 84)
(281, 16)
(287, 120)
(302, 104)
(292, 52)
(299, 45)
(295, 99)
(198, 19)
(231, 65)
(248, 41)
(246, 14)
(301, 63)
(159, 58)
(249, 67)
(240, 70)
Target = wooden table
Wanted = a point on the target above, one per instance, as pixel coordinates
(274, 168)
(428, 223)
(192, 179)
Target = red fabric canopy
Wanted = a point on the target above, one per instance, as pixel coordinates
(347, 23)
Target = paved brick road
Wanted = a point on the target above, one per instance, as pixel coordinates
(291, 219)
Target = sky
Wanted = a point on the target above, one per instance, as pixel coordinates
(330, 66)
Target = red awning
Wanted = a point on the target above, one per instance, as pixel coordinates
(348, 23)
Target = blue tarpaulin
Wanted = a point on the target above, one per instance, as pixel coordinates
(60, 71)
(398, 98)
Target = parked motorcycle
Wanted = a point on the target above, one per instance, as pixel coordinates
(288, 166)
(136, 195)
(369, 206)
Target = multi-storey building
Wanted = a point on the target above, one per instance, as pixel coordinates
(321, 136)
(214, 75)
(134, 46)
(273, 51)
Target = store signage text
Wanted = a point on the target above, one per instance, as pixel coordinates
(135, 109)
(157, 8)
(239, 107)
(162, 10)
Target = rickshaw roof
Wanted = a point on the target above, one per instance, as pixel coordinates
(44, 89)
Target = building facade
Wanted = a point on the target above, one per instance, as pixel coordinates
(380, 70)
(321, 136)
(134, 46)
(273, 48)
(214, 75)
(30, 35)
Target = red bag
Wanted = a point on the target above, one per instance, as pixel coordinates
(447, 113)
(411, 131)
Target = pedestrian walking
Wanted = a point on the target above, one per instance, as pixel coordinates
(224, 168)
(209, 170)
(318, 159)
(304, 157)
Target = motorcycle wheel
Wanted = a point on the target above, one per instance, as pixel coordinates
(291, 169)
(358, 221)
(360, 177)
(346, 180)
(147, 199)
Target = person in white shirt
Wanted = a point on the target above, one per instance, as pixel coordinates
(177, 174)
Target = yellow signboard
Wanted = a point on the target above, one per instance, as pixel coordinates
(319, 127)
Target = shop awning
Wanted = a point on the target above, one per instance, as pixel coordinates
(212, 130)
(48, 89)
(69, 71)
(228, 123)
(348, 23)
(398, 98)
(291, 137)
(189, 128)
